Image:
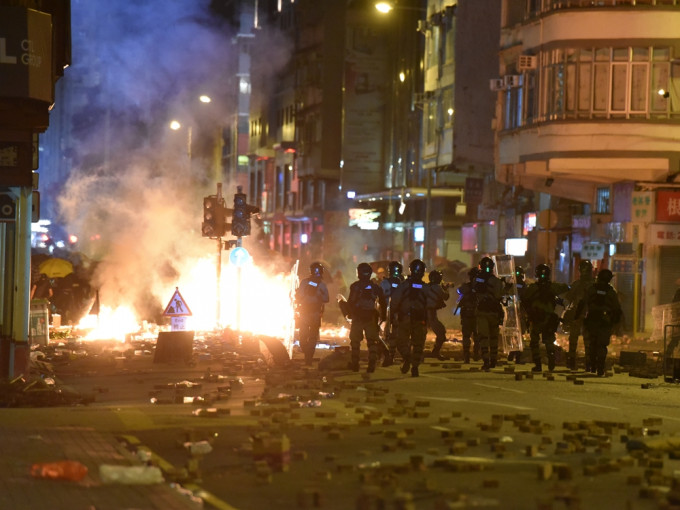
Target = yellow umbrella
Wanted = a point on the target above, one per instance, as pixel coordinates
(56, 268)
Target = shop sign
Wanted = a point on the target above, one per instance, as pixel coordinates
(664, 235)
(626, 266)
(582, 222)
(668, 206)
(642, 207)
(474, 189)
(592, 251)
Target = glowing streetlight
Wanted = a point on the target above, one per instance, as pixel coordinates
(384, 7)
(175, 125)
(204, 99)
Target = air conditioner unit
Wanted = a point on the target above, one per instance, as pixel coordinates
(512, 80)
(526, 62)
(496, 84)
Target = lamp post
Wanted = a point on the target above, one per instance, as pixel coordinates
(408, 84)
(176, 125)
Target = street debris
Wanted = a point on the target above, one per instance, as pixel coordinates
(130, 475)
(60, 470)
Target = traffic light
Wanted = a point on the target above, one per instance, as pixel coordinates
(213, 217)
(240, 220)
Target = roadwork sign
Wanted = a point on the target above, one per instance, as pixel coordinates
(177, 307)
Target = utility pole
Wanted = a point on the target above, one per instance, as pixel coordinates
(218, 294)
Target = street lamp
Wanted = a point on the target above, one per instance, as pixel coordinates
(176, 125)
(384, 7)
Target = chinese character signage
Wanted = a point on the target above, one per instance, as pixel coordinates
(580, 221)
(626, 266)
(668, 206)
(642, 207)
(474, 189)
(592, 251)
(664, 235)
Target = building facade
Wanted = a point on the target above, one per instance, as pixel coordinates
(369, 131)
(588, 122)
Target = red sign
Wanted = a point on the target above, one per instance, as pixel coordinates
(668, 206)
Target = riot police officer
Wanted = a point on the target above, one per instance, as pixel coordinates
(310, 298)
(603, 312)
(572, 324)
(521, 286)
(437, 295)
(409, 300)
(468, 306)
(488, 290)
(540, 300)
(389, 284)
(367, 306)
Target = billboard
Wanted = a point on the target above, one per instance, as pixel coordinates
(26, 54)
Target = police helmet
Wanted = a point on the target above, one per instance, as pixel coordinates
(585, 267)
(395, 269)
(519, 273)
(417, 268)
(436, 276)
(364, 271)
(486, 265)
(316, 269)
(605, 276)
(543, 273)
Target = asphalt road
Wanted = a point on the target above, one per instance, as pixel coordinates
(455, 437)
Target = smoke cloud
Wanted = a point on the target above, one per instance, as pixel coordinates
(134, 193)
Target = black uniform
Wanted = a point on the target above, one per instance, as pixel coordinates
(310, 298)
(603, 312)
(366, 304)
(540, 302)
(468, 307)
(488, 290)
(388, 285)
(409, 301)
(573, 324)
(437, 295)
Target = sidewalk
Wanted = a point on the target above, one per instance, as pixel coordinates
(21, 491)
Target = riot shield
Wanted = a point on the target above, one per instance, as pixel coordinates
(511, 330)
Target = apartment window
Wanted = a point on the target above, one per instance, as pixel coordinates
(536, 7)
(449, 40)
(602, 201)
(513, 105)
(592, 83)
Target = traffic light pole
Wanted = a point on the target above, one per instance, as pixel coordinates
(239, 243)
(218, 294)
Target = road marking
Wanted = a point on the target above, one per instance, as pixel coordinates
(478, 384)
(586, 403)
(501, 404)
(498, 387)
(664, 417)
